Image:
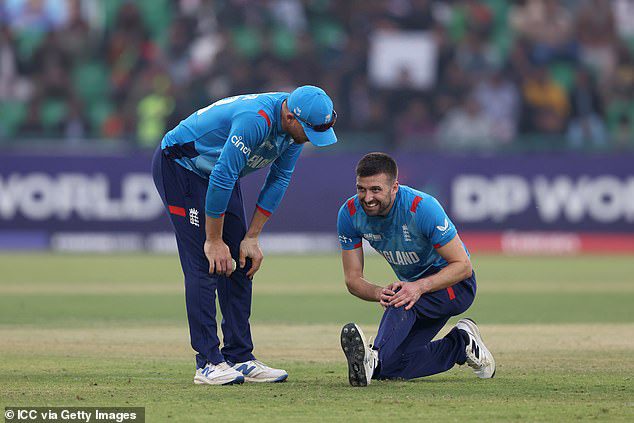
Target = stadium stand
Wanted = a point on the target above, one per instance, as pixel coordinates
(534, 74)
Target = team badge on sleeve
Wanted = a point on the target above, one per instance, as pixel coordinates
(344, 239)
(444, 226)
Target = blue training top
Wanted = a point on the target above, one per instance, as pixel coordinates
(407, 237)
(232, 138)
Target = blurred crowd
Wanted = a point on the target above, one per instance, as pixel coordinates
(534, 73)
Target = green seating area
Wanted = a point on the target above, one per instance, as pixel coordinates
(254, 32)
(13, 114)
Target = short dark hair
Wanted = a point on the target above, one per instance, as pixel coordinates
(375, 163)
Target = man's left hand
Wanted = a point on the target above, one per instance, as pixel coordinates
(249, 247)
(408, 293)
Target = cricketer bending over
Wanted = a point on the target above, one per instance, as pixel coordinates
(197, 170)
(412, 232)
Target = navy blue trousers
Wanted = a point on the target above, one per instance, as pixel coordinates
(183, 193)
(404, 340)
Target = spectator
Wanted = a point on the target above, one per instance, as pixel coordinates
(620, 117)
(378, 111)
(623, 12)
(472, 16)
(518, 60)
(474, 56)
(414, 127)
(12, 85)
(36, 15)
(53, 90)
(619, 112)
(452, 88)
(50, 68)
(549, 27)
(596, 33)
(586, 110)
(127, 49)
(75, 35)
(624, 132)
(466, 127)
(75, 125)
(178, 53)
(414, 15)
(623, 78)
(498, 98)
(153, 110)
(290, 14)
(358, 104)
(545, 103)
(445, 50)
(32, 125)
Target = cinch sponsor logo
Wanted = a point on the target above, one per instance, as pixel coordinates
(604, 198)
(237, 141)
(372, 237)
(257, 162)
(40, 196)
(400, 257)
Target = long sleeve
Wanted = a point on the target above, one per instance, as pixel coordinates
(247, 130)
(278, 178)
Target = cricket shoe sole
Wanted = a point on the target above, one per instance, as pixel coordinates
(361, 359)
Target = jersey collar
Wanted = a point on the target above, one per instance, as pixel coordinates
(277, 111)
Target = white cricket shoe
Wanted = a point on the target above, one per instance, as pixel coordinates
(256, 371)
(362, 360)
(479, 358)
(217, 374)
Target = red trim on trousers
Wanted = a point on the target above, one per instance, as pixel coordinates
(452, 295)
(179, 211)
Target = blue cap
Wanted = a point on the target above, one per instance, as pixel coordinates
(314, 110)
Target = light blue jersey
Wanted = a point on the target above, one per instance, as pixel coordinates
(232, 138)
(407, 237)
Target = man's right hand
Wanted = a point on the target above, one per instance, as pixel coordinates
(386, 294)
(219, 256)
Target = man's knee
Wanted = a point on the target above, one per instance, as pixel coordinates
(399, 314)
(395, 325)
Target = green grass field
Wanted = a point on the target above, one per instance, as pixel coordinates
(111, 331)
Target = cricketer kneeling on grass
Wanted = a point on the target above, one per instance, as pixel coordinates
(413, 233)
(196, 170)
